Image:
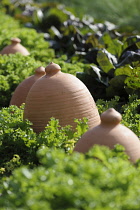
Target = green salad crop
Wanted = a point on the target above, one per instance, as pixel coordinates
(17, 136)
(41, 171)
(14, 68)
(101, 179)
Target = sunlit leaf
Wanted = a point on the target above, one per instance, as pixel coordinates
(114, 46)
(124, 70)
(105, 60)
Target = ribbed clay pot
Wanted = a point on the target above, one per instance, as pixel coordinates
(62, 96)
(20, 93)
(15, 47)
(109, 133)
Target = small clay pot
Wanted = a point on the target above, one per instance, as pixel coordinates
(15, 47)
(62, 96)
(109, 133)
(23, 88)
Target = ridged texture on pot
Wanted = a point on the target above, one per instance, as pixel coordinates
(15, 47)
(23, 88)
(62, 96)
(109, 133)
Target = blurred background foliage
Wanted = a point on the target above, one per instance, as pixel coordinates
(124, 13)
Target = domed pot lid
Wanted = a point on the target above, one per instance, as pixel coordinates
(62, 96)
(15, 47)
(20, 93)
(109, 133)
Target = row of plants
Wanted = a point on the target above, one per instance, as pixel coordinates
(14, 68)
(46, 173)
(112, 57)
(100, 180)
(20, 143)
(41, 170)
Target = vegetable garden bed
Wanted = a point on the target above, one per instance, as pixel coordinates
(40, 170)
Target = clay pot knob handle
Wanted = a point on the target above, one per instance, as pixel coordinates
(52, 69)
(15, 40)
(40, 71)
(111, 116)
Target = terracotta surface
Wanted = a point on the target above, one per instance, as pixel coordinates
(23, 88)
(110, 132)
(62, 96)
(15, 47)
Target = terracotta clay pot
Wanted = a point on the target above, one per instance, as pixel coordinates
(23, 88)
(110, 132)
(14, 47)
(62, 96)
